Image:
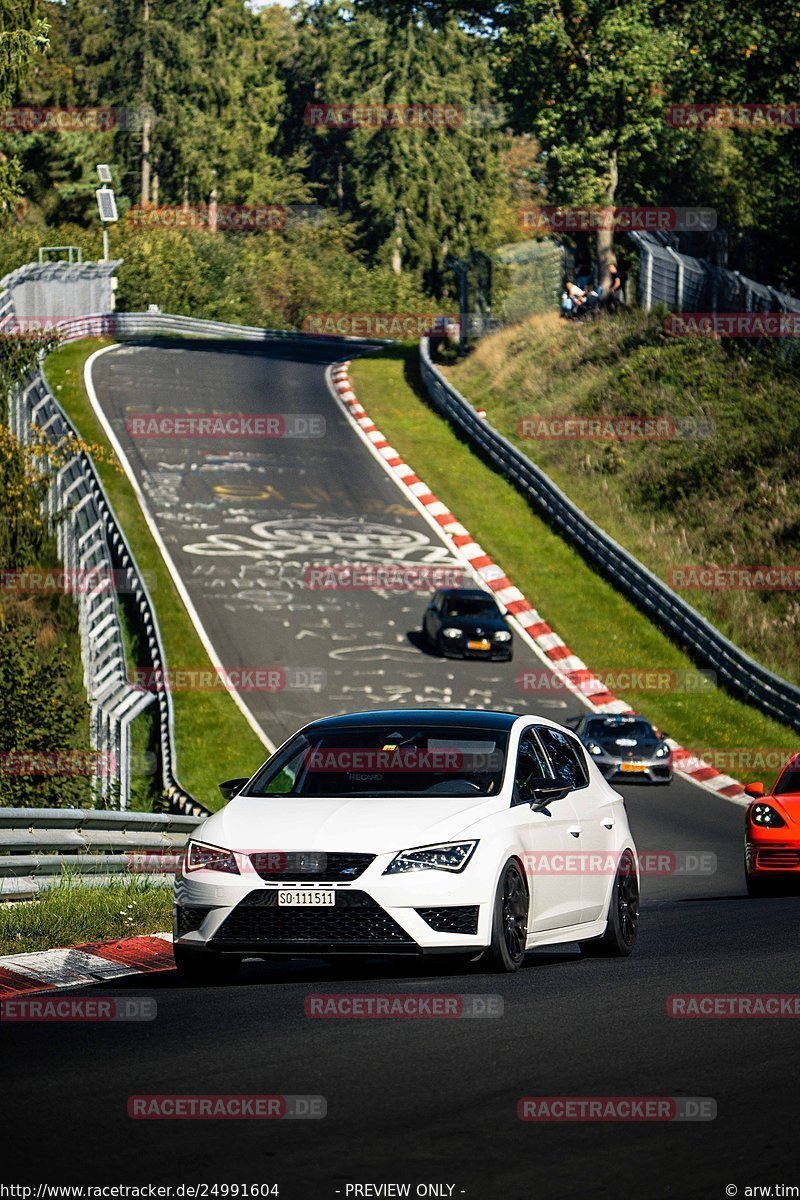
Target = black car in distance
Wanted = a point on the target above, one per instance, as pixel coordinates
(467, 623)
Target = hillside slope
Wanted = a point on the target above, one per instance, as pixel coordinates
(726, 498)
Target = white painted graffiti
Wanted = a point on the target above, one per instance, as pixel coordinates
(329, 539)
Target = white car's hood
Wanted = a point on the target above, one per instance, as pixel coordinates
(377, 826)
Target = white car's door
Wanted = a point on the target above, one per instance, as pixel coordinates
(594, 810)
(551, 836)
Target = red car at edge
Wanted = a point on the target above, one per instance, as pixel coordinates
(772, 834)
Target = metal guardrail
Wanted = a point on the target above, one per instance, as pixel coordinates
(709, 647)
(84, 528)
(90, 539)
(42, 848)
(133, 325)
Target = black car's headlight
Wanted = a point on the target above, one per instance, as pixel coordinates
(765, 815)
(200, 857)
(502, 635)
(451, 632)
(594, 749)
(449, 856)
(662, 751)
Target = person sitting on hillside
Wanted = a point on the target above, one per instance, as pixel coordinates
(592, 300)
(572, 299)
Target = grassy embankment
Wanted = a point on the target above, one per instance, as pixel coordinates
(594, 620)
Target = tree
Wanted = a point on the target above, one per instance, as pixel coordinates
(588, 78)
(416, 193)
(23, 35)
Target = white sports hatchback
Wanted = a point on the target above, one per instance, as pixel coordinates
(408, 832)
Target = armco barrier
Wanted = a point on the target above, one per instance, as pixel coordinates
(739, 672)
(45, 847)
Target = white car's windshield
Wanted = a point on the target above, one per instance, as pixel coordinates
(395, 760)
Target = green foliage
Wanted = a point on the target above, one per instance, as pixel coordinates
(23, 35)
(275, 279)
(44, 714)
(416, 193)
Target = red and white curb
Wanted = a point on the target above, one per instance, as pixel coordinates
(78, 966)
(577, 677)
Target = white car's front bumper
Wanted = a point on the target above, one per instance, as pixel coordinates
(428, 911)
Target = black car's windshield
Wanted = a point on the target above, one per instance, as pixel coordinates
(470, 606)
(604, 727)
(395, 760)
(789, 781)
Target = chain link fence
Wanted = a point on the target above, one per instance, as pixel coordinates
(696, 285)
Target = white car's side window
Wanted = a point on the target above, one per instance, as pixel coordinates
(565, 756)
(531, 768)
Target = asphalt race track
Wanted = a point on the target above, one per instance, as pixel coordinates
(408, 1101)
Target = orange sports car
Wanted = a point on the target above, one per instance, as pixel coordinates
(772, 833)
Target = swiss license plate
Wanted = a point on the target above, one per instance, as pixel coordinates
(633, 767)
(482, 645)
(307, 897)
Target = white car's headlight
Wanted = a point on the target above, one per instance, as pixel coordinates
(450, 856)
(200, 857)
(502, 635)
(452, 633)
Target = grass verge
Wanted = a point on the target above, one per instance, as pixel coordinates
(213, 740)
(598, 624)
(70, 914)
